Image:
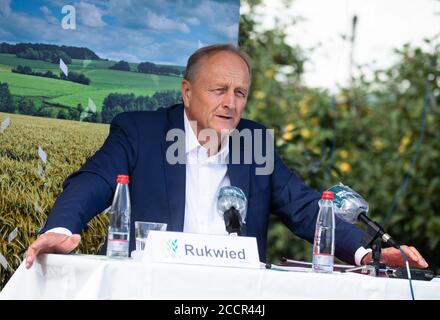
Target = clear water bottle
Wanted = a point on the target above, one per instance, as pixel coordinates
(119, 227)
(324, 241)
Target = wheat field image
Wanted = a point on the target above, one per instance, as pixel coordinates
(29, 185)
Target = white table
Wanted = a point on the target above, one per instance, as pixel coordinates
(96, 277)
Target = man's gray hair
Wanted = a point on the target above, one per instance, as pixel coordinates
(194, 60)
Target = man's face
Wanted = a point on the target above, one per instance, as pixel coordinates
(218, 94)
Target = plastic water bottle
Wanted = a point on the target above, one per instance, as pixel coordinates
(324, 242)
(119, 228)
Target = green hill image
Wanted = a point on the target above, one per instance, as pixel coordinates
(103, 81)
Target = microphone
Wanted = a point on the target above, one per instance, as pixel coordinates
(232, 206)
(351, 207)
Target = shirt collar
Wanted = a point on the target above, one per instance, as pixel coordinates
(190, 136)
(192, 143)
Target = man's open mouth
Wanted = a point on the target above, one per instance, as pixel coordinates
(225, 117)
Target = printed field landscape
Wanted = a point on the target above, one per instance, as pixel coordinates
(103, 81)
(29, 187)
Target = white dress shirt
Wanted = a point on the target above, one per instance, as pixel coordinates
(205, 175)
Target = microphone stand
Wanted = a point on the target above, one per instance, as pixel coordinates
(376, 264)
(374, 241)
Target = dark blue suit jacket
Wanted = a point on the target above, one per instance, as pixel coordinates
(136, 146)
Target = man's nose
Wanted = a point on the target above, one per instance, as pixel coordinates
(229, 100)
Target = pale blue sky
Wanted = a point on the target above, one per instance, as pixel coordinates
(160, 31)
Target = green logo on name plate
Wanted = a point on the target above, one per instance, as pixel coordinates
(170, 247)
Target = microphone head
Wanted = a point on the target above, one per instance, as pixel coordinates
(229, 197)
(348, 204)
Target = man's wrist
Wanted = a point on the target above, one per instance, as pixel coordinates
(367, 258)
(361, 256)
(60, 230)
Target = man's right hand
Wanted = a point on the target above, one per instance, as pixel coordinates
(51, 242)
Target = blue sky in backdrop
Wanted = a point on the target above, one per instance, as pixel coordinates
(160, 31)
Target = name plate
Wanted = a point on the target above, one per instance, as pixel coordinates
(201, 249)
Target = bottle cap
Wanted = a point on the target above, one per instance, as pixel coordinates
(123, 178)
(327, 195)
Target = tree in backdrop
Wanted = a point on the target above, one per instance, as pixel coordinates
(63, 114)
(72, 52)
(26, 106)
(52, 56)
(28, 71)
(151, 68)
(6, 101)
(75, 77)
(75, 113)
(121, 66)
(116, 103)
(72, 76)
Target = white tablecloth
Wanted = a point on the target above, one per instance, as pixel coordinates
(96, 277)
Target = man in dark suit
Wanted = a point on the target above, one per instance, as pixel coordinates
(183, 195)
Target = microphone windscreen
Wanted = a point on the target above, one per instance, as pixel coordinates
(229, 197)
(348, 204)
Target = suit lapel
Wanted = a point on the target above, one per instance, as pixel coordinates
(175, 174)
(239, 174)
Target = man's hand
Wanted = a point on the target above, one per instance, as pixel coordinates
(51, 242)
(393, 257)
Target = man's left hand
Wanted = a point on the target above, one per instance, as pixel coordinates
(393, 257)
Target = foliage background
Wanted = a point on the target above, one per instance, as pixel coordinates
(380, 137)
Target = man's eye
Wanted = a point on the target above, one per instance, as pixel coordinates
(241, 94)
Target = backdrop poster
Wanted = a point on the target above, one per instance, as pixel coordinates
(62, 57)
(83, 60)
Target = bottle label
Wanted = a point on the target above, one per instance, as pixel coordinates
(118, 243)
(323, 259)
(323, 255)
(117, 247)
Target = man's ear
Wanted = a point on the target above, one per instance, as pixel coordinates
(186, 92)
